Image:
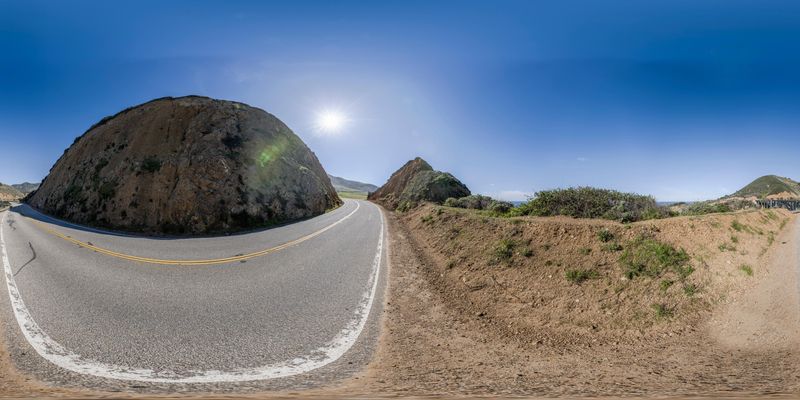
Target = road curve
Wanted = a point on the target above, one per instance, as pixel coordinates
(257, 306)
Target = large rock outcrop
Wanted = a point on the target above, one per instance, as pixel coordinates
(188, 165)
(417, 182)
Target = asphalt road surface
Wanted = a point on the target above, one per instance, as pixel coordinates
(257, 306)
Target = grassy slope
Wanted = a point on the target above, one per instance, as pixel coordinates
(769, 185)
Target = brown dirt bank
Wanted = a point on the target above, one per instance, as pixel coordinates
(476, 326)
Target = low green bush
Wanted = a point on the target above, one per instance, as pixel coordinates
(605, 235)
(588, 202)
(580, 275)
(652, 258)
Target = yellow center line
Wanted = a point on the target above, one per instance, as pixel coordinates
(211, 261)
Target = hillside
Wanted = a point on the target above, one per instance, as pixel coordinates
(346, 185)
(415, 182)
(9, 193)
(772, 186)
(187, 165)
(555, 306)
(25, 187)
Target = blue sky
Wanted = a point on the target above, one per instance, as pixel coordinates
(683, 100)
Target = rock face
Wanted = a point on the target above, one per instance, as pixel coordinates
(188, 165)
(416, 182)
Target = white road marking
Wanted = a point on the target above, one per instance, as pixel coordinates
(66, 359)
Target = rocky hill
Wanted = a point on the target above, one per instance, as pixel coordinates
(25, 187)
(187, 165)
(9, 193)
(770, 186)
(346, 185)
(417, 182)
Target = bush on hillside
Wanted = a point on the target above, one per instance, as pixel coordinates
(587, 202)
(480, 202)
(702, 208)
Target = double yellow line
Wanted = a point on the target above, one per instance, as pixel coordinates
(211, 261)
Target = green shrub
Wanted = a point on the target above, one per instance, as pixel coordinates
(479, 202)
(661, 310)
(605, 235)
(504, 249)
(107, 190)
(587, 202)
(651, 258)
(151, 164)
(737, 226)
(585, 251)
(706, 207)
(579, 275)
(665, 284)
(612, 247)
(689, 289)
(748, 270)
(451, 202)
(500, 207)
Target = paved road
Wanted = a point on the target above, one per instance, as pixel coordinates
(263, 305)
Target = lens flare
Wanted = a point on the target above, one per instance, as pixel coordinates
(330, 122)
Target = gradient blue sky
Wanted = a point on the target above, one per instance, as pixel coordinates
(683, 100)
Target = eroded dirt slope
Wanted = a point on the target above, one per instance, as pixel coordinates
(476, 326)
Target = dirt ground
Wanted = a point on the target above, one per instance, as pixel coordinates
(435, 342)
(737, 336)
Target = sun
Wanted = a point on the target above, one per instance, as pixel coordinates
(330, 122)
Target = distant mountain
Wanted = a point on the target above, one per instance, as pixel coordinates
(346, 185)
(770, 186)
(25, 187)
(8, 193)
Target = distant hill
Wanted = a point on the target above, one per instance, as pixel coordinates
(770, 186)
(8, 193)
(346, 185)
(25, 187)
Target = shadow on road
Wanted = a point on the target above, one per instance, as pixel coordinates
(33, 257)
(30, 212)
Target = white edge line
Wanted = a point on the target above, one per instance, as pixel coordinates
(57, 354)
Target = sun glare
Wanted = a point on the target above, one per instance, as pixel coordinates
(330, 122)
